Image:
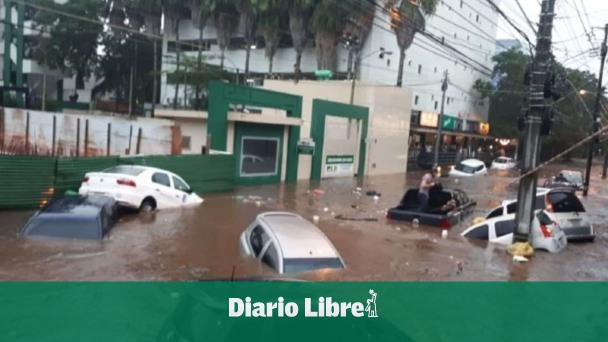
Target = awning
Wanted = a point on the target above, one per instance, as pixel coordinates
(458, 134)
(265, 119)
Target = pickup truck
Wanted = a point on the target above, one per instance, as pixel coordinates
(447, 207)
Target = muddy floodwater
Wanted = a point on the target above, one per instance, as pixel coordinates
(202, 243)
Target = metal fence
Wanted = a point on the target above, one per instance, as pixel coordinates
(31, 181)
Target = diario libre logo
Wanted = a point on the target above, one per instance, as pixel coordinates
(321, 307)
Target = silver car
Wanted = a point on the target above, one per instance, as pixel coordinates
(564, 208)
(288, 243)
(545, 233)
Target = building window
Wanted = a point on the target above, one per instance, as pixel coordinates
(461, 3)
(477, 18)
(186, 141)
(409, 63)
(259, 156)
(415, 118)
(436, 105)
(419, 68)
(416, 98)
(435, 69)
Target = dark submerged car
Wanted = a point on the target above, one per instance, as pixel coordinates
(73, 217)
(447, 207)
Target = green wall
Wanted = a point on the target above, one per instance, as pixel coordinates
(27, 181)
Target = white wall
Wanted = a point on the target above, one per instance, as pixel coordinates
(157, 135)
(389, 118)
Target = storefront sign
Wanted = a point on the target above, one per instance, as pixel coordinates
(341, 165)
(428, 119)
(449, 123)
(484, 128)
(306, 146)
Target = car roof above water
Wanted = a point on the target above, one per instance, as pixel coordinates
(297, 237)
(472, 162)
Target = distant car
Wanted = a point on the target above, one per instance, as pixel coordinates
(574, 177)
(288, 243)
(73, 217)
(545, 233)
(504, 163)
(252, 158)
(140, 187)
(469, 168)
(446, 208)
(562, 206)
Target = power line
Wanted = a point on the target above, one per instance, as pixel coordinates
(522, 33)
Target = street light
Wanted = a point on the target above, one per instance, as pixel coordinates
(381, 53)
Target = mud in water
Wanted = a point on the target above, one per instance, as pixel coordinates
(202, 243)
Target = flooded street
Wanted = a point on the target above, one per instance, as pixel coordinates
(202, 243)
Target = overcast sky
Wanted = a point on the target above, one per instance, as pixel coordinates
(572, 45)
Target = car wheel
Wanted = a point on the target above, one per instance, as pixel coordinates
(148, 205)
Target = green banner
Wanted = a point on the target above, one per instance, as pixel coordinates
(345, 159)
(288, 311)
(448, 123)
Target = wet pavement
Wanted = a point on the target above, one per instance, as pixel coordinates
(202, 242)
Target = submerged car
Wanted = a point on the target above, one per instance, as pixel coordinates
(545, 233)
(469, 168)
(73, 217)
(446, 207)
(504, 163)
(140, 187)
(563, 206)
(288, 243)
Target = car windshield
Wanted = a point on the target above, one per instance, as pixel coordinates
(574, 177)
(125, 170)
(465, 168)
(501, 161)
(298, 265)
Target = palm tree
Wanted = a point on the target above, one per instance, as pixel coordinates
(300, 12)
(358, 26)
(329, 20)
(151, 22)
(249, 14)
(225, 23)
(407, 18)
(202, 10)
(174, 9)
(269, 21)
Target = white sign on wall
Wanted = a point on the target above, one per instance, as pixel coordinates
(342, 165)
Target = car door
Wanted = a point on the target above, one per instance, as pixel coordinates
(163, 191)
(181, 190)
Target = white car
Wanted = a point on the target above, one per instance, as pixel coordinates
(469, 168)
(562, 206)
(504, 163)
(140, 187)
(545, 233)
(288, 243)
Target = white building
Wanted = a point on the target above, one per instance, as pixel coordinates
(466, 25)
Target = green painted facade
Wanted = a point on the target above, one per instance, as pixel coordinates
(320, 110)
(13, 33)
(222, 95)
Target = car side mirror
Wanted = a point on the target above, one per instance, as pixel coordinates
(189, 191)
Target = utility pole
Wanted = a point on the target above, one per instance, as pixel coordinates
(533, 121)
(596, 110)
(444, 89)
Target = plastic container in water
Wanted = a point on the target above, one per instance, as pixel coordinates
(315, 219)
(444, 234)
(415, 223)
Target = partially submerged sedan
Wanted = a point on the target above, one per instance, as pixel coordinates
(446, 207)
(563, 206)
(140, 187)
(73, 217)
(469, 168)
(545, 233)
(288, 243)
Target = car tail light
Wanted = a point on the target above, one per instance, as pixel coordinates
(547, 232)
(85, 179)
(126, 182)
(445, 224)
(388, 215)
